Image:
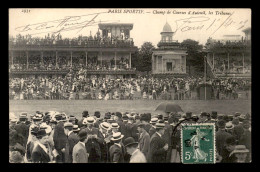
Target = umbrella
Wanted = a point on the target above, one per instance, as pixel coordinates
(169, 107)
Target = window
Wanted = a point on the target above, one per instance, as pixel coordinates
(169, 66)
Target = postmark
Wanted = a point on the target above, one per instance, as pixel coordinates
(198, 143)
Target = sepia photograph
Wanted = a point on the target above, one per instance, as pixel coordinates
(129, 85)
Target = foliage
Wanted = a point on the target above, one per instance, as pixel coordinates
(195, 55)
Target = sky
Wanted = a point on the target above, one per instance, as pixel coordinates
(196, 24)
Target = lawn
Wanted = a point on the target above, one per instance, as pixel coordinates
(75, 107)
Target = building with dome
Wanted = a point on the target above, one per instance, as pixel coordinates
(170, 57)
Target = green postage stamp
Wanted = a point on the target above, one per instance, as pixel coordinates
(198, 143)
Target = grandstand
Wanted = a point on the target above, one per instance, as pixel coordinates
(107, 55)
(230, 57)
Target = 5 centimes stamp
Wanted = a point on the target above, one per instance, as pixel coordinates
(198, 143)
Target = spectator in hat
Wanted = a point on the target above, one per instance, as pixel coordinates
(131, 129)
(94, 140)
(132, 148)
(204, 117)
(22, 129)
(117, 150)
(30, 144)
(104, 127)
(144, 140)
(59, 138)
(76, 129)
(79, 152)
(226, 118)
(229, 128)
(41, 154)
(235, 121)
(167, 136)
(97, 119)
(237, 114)
(241, 153)
(158, 146)
(245, 139)
(72, 141)
(230, 118)
(72, 119)
(153, 129)
(118, 119)
(145, 120)
(137, 119)
(238, 132)
(229, 147)
(84, 115)
(220, 117)
(221, 136)
(125, 119)
(115, 127)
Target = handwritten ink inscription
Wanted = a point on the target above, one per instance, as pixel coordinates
(68, 23)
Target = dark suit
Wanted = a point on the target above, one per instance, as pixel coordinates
(23, 130)
(80, 123)
(79, 154)
(116, 153)
(152, 131)
(72, 141)
(220, 140)
(144, 143)
(93, 145)
(122, 128)
(157, 154)
(104, 148)
(147, 127)
(167, 136)
(60, 139)
(39, 155)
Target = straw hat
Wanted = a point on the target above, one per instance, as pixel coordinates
(114, 125)
(154, 120)
(105, 125)
(47, 128)
(240, 149)
(89, 120)
(117, 136)
(229, 126)
(76, 128)
(159, 125)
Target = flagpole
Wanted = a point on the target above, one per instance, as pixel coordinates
(205, 75)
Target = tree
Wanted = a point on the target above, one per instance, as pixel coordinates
(195, 55)
(142, 60)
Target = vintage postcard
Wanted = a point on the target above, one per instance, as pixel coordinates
(105, 85)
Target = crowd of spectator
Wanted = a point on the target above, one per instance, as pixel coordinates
(86, 41)
(76, 85)
(116, 137)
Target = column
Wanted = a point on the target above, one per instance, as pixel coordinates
(130, 60)
(115, 59)
(86, 58)
(71, 58)
(42, 56)
(56, 58)
(243, 63)
(157, 63)
(162, 64)
(228, 62)
(152, 62)
(27, 63)
(101, 57)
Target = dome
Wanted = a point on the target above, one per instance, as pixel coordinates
(167, 28)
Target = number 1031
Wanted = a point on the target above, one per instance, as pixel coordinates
(26, 11)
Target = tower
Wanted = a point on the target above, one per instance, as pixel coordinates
(167, 33)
